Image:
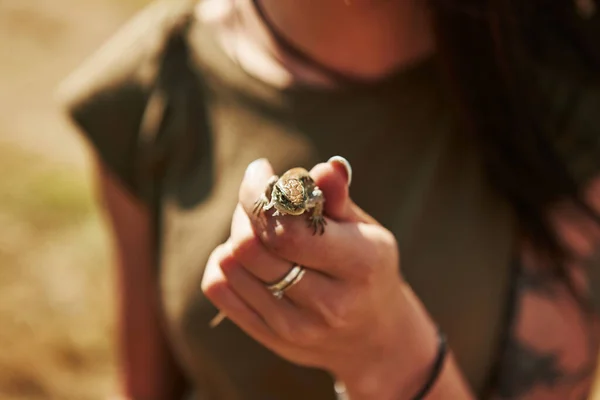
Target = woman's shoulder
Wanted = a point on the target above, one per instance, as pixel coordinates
(131, 56)
(108, 95)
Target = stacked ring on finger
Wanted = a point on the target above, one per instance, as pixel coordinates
(294, 276)
(278, 289)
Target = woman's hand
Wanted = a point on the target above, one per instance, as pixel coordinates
(351, 314)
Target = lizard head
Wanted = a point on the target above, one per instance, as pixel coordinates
(290, 196)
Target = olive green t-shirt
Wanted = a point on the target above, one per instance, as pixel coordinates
(178, 121)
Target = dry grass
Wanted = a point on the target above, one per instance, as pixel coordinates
(55, 273)
(55, 295)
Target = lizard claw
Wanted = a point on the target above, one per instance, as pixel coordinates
(259, 204)
(318, 223)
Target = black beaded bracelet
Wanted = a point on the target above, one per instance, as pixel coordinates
(340, 388)
(437, 367)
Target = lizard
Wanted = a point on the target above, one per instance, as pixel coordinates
(294, 193)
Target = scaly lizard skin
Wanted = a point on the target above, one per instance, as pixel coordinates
(294, 193)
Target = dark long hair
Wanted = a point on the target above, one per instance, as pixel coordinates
(483, 45)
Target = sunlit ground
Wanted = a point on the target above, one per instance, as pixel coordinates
(55, 301)
(56, 305)
(55, 272)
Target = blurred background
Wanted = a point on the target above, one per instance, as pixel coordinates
(56, 296)
(56, 302)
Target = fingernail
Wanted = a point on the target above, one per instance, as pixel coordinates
(341, 160)
(253, 167)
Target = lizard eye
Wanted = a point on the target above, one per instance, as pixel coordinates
(307, 180)
(281, 196)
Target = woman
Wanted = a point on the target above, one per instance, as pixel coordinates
(473, 135)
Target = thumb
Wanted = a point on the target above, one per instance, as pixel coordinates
(333, 178)
(254, 183)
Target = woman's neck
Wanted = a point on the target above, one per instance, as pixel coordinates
(367, 39)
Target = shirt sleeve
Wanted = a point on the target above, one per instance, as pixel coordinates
(106, 97)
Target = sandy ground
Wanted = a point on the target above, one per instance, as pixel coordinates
(55, 271)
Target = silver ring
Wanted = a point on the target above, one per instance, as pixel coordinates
(290, 279)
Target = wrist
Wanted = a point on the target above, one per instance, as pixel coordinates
(404, 363)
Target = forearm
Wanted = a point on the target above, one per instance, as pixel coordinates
(405, 369)
(147, 369)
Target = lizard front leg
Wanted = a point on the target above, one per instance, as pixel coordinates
(265, 201)
(317, 220)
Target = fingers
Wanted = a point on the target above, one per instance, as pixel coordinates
(250, 252)
(340, 252)
(244, 299)
(341, 162)
(219, 291)
(335, 252)
(276, 312)
(333, 178)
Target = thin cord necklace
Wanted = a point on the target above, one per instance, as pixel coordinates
(336, 76)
